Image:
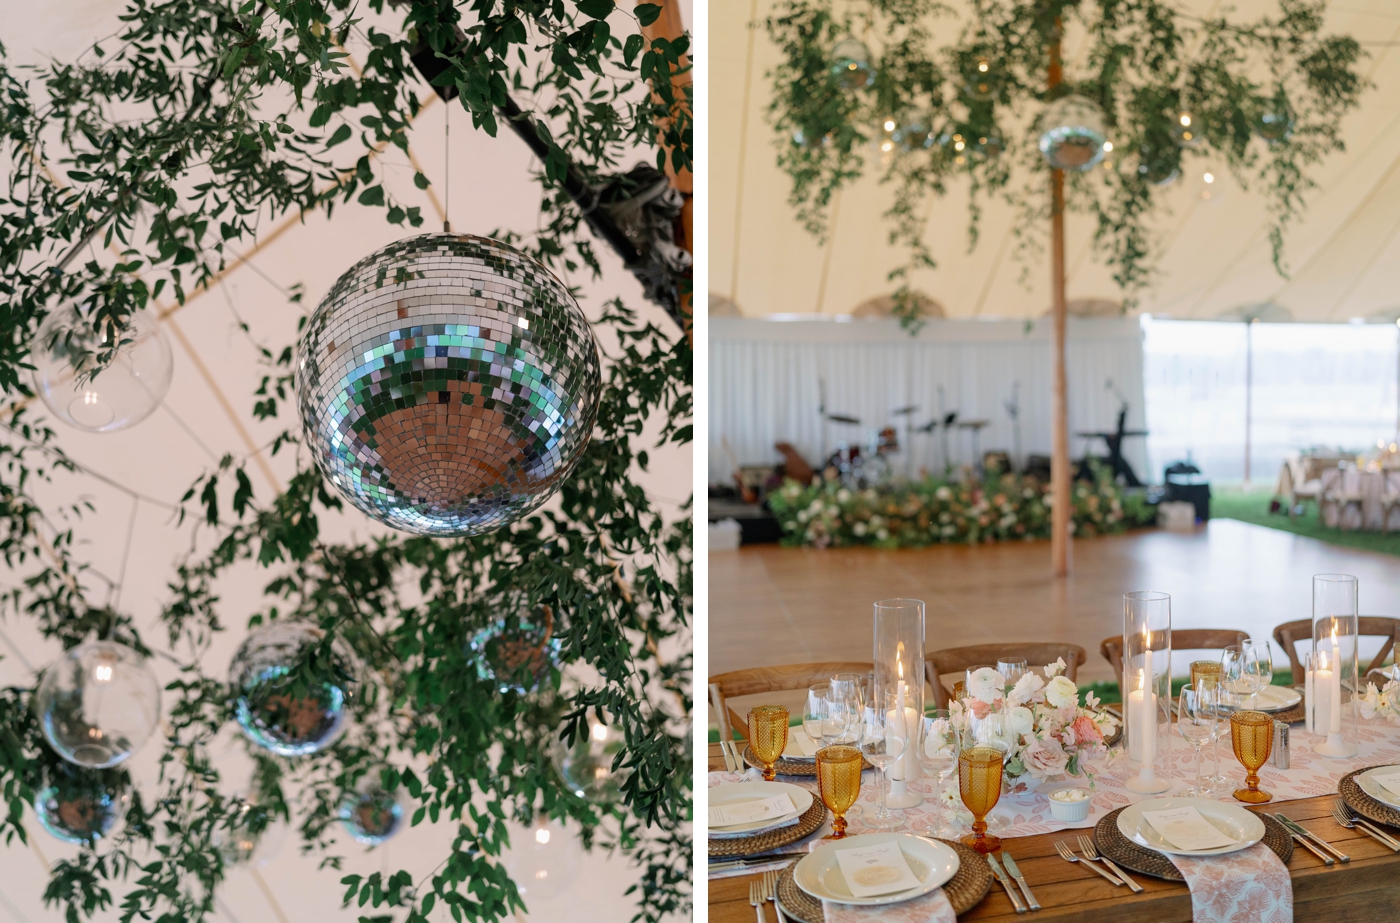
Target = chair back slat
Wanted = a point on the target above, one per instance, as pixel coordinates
(1290, 634)
(1183, 639)
(954, 660)
(758, 680)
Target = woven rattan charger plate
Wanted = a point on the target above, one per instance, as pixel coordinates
(806, 825)
(1362, 803)
(1111, 843)
(965, 890)
(785, 767)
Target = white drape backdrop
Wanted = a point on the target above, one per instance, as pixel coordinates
(764, 385)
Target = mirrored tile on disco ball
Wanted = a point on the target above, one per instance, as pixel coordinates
(448, 384)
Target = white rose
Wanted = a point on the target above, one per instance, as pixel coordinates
(1056, 668)
(1021, 720)
(1062, 692)
(943, 493)
(843, 495)
(985, 685)
(1027, 689)
(858, 528)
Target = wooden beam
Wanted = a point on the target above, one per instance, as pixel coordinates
(1059, 432)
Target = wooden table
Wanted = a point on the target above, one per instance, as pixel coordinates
(1364, 890)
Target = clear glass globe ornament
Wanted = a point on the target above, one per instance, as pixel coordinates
(89, 384)
(98, 703)
(82, 805)
(1210, 185)
(543, 860)
(1186, 130)
(850, 64)
(250, 837)
(981, 79)
(914, 134)
(817, 140)
(1274, 122)
(966, 146)
(587, 766)
(292, 698)
(448, 384)
(1159, 169)
(518, 648)
(1073, 135)
(371, 815)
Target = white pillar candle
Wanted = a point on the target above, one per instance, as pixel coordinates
(1309, 685)
(1334, 705)
(893, 731)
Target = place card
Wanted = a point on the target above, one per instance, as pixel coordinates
(1390, 781)
(874, 870)
(800, 746)
(1185, 828)
(748, 812)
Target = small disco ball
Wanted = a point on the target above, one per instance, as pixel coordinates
(801, 139)
(1186, 130)
(587, 766)
(1274, 123)
(98, 704)
(517, 649)
(88, 385)
(448, 384)
(285, 703)
(371, 815)
(1073, 136)
(82, 805)
(850, 64)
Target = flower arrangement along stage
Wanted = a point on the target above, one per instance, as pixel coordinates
(933, 511)
(1048, 731)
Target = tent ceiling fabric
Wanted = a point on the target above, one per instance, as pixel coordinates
(1343, 257)
(208, 412)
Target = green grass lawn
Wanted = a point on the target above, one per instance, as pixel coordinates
(1253, 506)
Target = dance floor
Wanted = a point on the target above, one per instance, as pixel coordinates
(772, 605)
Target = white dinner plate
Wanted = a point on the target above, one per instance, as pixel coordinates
(819, 874)
(1375, 789)
(739, 792)
(1273, 698)
(794, 752)
(1244, 827)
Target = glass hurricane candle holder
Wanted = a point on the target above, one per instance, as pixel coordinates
(1332, 682)
(768, 733)
(1147, 660)
(1252, 736)
(899, 669)
(838, 782)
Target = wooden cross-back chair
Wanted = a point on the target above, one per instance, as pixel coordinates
(1183, 639)
(758, 680)
(1289, 634)
(955, 660)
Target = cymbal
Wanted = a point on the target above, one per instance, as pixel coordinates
(841, 418)
(904, 411)
(928, 427)
(973, 424)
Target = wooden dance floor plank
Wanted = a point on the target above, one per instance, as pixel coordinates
(772, 605)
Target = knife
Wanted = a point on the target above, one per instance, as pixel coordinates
(1006, 884)
(1020, 879)
(1299, 829)
(728, 760)
(1306, 843)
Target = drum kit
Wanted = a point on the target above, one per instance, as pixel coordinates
(871, 466)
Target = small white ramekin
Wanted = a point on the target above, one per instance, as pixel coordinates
(1070, 811)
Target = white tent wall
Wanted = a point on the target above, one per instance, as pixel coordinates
(764, 385)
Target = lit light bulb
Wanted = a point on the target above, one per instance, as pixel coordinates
(541, 835)
(889, 124)
(103, 673)
(599, 732)
(1392, 447)
(983, 66)
(1185, 118)
(1107, 146)
(1209, 177)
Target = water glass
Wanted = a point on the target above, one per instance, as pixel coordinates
(814, 714)
(1011, 672)
(1197, 721)
(939, 745)
(1259, 664)
(856, 685)
(1252, 734)
(838, 782)
(844, 719)
(768, 733)
(886, 736)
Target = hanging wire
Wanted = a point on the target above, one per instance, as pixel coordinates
(126, 554)
(447, 170)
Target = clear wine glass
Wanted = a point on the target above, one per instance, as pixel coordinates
(1011, 672)
(1197, 720)
(1235, 684)
(1259, 666)
(814, 714)
(843, 720)
(886, 736)
(1209, 685)
(938, 757)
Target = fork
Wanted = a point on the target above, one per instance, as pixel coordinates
(756, 900)
(1086, 846)
(1342, 813)
(1068, 855)
(770, 892)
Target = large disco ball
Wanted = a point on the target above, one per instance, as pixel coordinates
(850, 64)
(1072, 135)
(82, 805)
(587, 766)
(288, 699)
(98, 704)
(448, 384)
(87, 384)
(371, 815)
(516, 650)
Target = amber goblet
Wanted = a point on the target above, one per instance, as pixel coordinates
(768, 733)
(1200, 668)
(959, 690)
(979, 784)
(838, 781)
(1252, 735)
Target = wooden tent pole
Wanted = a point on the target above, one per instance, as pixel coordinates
(1059, 436)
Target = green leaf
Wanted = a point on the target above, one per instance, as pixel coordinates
(597, 9)
(374, 195)
(631, 47)
(341, 134)
(647, 13)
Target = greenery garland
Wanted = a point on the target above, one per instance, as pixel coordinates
(1003, 507)
(1268, 97)
(167, 143)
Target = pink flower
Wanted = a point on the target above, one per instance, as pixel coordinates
(1085, 731)
(977, 707)
(1045, 757)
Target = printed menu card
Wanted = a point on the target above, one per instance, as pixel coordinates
(873, 870)
(747, 812)
(1185, 828)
